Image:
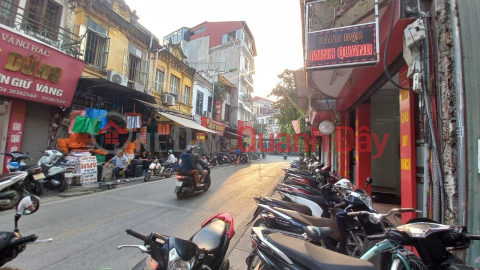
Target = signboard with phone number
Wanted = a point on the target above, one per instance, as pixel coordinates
(88, 167)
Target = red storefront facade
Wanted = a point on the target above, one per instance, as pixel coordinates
(36, 82)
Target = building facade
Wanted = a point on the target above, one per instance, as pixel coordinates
(39, 75)
(415, 131)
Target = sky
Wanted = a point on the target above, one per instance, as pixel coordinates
(276, 27)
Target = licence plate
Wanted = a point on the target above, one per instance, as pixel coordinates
(68, 175)
(179, 183)
(38, 176)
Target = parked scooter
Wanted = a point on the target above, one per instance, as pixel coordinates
(12, 243)
(158, 169)
(186, 184)
(11, 189)
(264, 155)
(33, 182)
(206, 249)
(58, 175)
(285, 156)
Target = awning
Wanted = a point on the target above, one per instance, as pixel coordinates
(105, 88)
(186, 123)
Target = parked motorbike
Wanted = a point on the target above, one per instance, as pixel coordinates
(33, 181)
(264, 155)
(255, 157)
(212, 159)
(58, 173)
(206, 249)
(158, 169)
(186, 184)
(11, 189)
(12, 243)
(284, 156)
(220, 158)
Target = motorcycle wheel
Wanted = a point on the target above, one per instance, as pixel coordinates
(18, 196)
(255, 263)
(147, 176)
(220, 162)
(168, 172)
(214, 162)
(180, 195)
(63, 186)
(208, 183)
(33, 187)
(350, 246)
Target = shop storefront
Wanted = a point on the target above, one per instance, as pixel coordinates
(37, 84)
(218, 143)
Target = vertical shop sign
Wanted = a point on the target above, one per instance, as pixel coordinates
(15, 127)
(407, 145)
(143, 134)
(88, 167)
(218, 107)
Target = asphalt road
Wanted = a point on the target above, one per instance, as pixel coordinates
(87, 230)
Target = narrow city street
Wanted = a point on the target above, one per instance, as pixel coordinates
(87, 230)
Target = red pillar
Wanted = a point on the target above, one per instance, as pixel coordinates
(15, 128)
(363, 145)
(407, 146)
(342, 140)
(329, 145)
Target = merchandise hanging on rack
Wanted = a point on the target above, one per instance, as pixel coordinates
(134, 120)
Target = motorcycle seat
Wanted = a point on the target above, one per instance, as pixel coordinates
(212, 237)
(309, 177)
(315, 257)
(26, 167)
(293, 206)
(166, 164)
(313, 221)
(10, 176)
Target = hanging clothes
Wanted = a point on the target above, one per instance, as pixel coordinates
(134, 121)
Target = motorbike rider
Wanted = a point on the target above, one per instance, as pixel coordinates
(185, 165)
(171, 158)
(199, 163)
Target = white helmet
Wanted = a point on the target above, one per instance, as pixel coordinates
(344, 184)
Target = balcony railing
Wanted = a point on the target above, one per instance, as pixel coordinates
(39, 28)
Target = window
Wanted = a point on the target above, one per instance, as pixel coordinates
(186, 96)
(239, 34)
(136, 66)
(43, 15)
(158, 81)
(8, 11)
(210, 104)
(271, 121)
(174, 85)
(242, 61)
(97, 43)
(246, 65)
(199, 103)
(227, 112)
(229, 98)
(200, 30)
(228, 37)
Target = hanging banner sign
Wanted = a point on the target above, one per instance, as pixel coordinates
(201, 136)
(143, 135)
(218, 107)
(342, 47)
(218, 127)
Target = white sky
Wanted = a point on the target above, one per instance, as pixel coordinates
(276, 26)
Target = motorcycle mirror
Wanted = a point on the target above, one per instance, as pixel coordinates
(369, 181)
(28, 205)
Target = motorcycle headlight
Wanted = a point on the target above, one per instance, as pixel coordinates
(176, 263)
(374, 218)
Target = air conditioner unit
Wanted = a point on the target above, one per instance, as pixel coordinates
(165, 99)
(116, 77)
(171, 101)
(139, 87)
(207, 114)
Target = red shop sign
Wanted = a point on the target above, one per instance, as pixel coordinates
(15, 128)
(34, 71)
(218, 107)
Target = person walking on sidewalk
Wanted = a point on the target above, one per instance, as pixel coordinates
(121, 164)
(171, 159)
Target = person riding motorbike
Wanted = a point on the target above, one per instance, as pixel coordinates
(199, 163)
(171, 159)
(185, 165)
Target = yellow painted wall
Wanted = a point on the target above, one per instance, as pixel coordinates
(185, 80)
(118, 43)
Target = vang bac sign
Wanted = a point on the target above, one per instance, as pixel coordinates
(342, 47)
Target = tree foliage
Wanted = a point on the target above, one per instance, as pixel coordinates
(287, 103)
